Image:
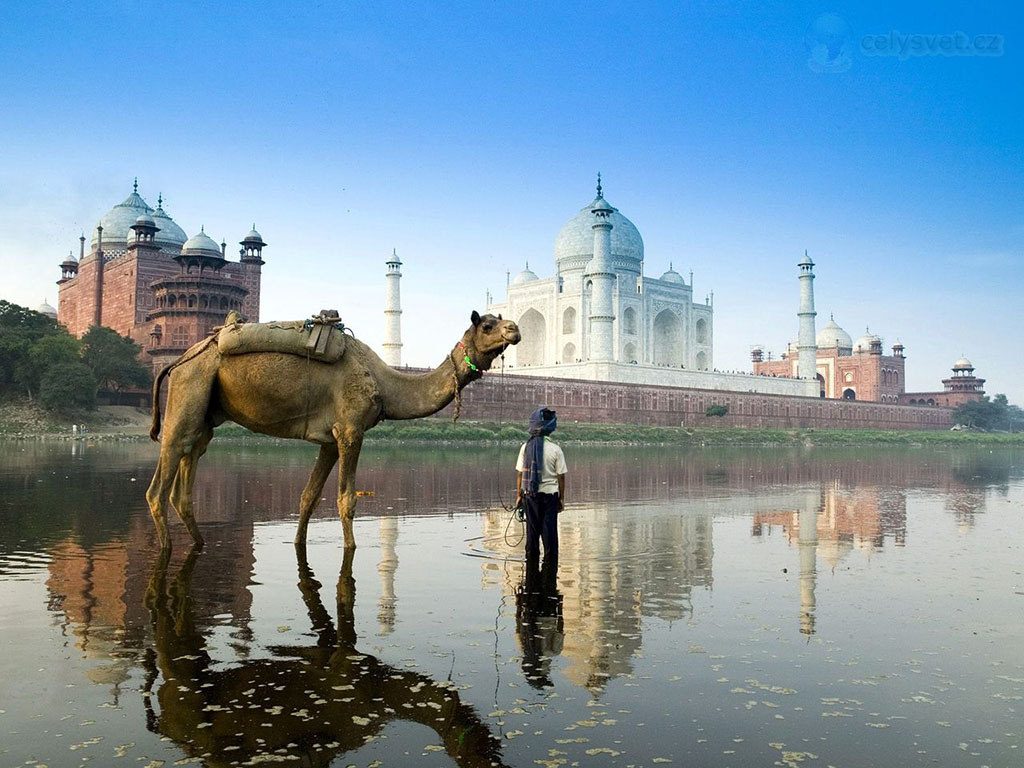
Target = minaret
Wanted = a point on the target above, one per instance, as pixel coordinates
(393, 312)
(806, 345)
(602, 278)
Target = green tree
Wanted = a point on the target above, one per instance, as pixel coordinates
(67, 387)
(62, 348)
(716, 410)
(20, 328)
(113, 359)
(994, 414)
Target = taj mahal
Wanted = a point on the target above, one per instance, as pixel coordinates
(600, 318)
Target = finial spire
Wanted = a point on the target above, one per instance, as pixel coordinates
(599, 193)
(135, 185)
(160, 200)
(670, 266)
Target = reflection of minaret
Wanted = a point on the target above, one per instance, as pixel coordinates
(808, 546)
(386, 568)
(393, 312)
(806, 345)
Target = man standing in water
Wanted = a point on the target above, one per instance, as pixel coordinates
(540, 481)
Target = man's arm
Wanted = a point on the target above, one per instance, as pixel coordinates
(561, 492)
(519, 487)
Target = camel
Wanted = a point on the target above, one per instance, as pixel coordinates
(288, 396)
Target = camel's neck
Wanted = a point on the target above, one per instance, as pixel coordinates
(411, 396)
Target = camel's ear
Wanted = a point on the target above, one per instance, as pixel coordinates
(475, 317)
(499, 316)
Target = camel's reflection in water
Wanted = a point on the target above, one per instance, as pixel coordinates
(308, 704)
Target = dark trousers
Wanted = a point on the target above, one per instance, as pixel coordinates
(542, 524)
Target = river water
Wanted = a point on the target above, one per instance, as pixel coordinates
(740, 607)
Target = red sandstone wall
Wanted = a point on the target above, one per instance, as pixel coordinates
(607, 403)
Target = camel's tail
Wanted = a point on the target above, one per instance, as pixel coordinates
(154, 431)
(195, 351)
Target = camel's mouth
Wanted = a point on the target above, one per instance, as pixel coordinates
(511, 336)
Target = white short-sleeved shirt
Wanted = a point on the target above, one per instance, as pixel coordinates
(554, 465)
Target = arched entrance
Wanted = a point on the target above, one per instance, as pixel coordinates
(821, 385)
(702, 361)
(668, 339)
(849, 394)
(629, 353)
(532, 328)
(569, 353)
(702, 331)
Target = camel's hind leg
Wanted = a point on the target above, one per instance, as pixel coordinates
(325, 462)
(181, 491)
(185, 429)
(350, 442)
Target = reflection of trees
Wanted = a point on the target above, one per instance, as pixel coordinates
(304, 703)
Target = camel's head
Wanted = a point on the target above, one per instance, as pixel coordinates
(490, 335)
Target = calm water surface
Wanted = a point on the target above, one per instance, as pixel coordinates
(717, 607)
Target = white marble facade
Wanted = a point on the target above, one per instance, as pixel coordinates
(656, 322)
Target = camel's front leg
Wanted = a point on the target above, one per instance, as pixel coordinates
(350, 442)
(325, 462)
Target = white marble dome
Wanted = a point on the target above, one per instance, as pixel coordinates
(671, 276)
(963, 364)
(201, 244)
(526, 276)
(118, 220)
(832, 336)
(575, 242)
(863, 344)
(170, 237)
(46, 309)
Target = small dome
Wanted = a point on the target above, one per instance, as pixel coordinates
(70, 261)
(201, 244)
(963, 364)
(832, 336)
(863, 344)
(526, 276)
(146, 220)
(46, 309)
(253, 236)
(671, 276)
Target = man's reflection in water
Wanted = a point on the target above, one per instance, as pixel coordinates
(539, 619)
(308, 703)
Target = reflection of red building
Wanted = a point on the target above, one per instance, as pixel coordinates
(962, 387)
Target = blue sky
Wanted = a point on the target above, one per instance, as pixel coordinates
(465, 135)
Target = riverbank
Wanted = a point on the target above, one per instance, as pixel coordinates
(25, 422)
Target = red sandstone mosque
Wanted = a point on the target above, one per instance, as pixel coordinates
(857, 370)
(145, 279)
